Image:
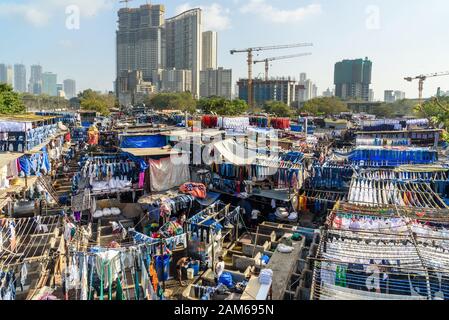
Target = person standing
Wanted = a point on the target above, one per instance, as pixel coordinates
(255, 219)
(219, 269)
(181, 265)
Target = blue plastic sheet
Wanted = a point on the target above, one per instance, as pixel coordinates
(154, 141)
(226, 279)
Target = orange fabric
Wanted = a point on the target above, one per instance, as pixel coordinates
(198, 190)
(153, 276)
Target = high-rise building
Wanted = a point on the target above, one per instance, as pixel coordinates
(183, 45)
(399, 95)
(306, 89)
(6, 74)
(3, 73)
(328, 93)
(280, 89)
(216, 83)
(139, 39)
(49, 84)
(35, 84)
(352, 79)
(388, 96)
(210, 49)
(70, 88)
(133, 88)
(391, 96)
(371, 95)
(60, 90)
(20, 78)
(175, 80)
(9, 75)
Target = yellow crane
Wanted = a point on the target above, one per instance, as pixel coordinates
(268, 60)
(422, 78)
(250, 51)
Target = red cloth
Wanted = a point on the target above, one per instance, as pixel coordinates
(280, 123)
(93, 138)
(209, 121)
(198, 190)
(67, 137)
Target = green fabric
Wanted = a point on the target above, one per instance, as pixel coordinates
(90, 283)
(102, 281)
(340, 277)
(119, 294)
(296, 237)
(136, 285)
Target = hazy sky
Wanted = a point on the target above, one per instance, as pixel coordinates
(402, 38)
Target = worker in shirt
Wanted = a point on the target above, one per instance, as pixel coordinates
(219, 269)
(254, 218)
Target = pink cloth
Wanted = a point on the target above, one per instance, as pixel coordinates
(141, 180)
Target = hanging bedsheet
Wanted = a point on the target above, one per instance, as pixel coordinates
(166, 175)
(392, 156)
(381, 125)
(237, 124)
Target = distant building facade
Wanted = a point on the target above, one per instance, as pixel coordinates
(210, 50)
(391, 96)
(20, 78)
(305, 89)
(216, 83)
(183, 45)
(133, 88)
(140, 39)
(276, 89)
(70, 88)
(352, 79)
(35, 84)
(49, 82)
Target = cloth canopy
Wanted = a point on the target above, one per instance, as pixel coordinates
(235, 153)
(150, 141)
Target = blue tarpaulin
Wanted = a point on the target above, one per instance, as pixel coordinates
(154, 141)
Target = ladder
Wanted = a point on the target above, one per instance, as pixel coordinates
(49, 188)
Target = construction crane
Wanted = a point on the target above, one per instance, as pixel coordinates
(125, 2)
(250, 51)
(268, 60)
(423, 78)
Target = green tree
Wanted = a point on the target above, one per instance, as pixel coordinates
(325, 105)
(10, 102)
(95, 101)
(278, 108)
(222, 106)
(183, 101)
(436, 110)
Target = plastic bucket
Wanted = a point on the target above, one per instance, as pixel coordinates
(190, 274)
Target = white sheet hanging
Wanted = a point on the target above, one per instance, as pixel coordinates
(235, 153)
(166, 175)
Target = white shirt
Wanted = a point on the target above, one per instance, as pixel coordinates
(219, 268)
(255, 214)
